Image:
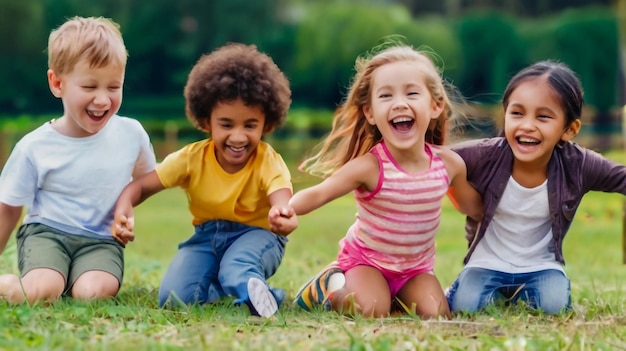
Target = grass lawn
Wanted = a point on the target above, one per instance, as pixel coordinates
(132, 321)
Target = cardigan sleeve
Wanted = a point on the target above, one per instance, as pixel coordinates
(602, 174)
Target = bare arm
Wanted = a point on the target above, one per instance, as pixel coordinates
(362, 171)
(466, 198)
(133, 194)
(9, 216)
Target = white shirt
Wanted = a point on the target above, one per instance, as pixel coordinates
(72, 184)
(519, 237)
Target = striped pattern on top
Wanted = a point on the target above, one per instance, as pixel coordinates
(396, 223)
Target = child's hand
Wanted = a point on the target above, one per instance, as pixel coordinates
(122, 229)
(283, 220)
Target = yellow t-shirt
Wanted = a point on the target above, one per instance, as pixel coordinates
(215, 194)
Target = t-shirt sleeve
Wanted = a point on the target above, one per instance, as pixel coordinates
(18, 181)
(275, 173)
(146, 160)
(174, 169)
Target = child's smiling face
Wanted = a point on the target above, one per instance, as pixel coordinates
(91, 96)
(236, 130)
(534, 122)
(402, 106)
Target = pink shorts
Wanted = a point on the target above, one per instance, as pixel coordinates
(350, 257)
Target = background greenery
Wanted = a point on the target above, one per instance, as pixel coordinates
(480, 45)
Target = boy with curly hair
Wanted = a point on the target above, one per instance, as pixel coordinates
(232, 179)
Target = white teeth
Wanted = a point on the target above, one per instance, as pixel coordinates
(527, 140)
(401, 119)
(237, 149)
(96, 114)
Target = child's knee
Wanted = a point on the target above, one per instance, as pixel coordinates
(94, 285)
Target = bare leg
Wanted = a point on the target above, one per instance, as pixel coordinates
(95, 285)
(424, 296)
(366, 292)
(41, 284)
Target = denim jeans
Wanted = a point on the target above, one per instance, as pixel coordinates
(475, 288)
(218, 260)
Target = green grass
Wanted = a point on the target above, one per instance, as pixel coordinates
(132, 321)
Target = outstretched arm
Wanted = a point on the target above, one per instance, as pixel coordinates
(132, 195)
(9, 216)
(362, 171)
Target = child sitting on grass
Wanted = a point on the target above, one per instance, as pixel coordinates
(532, 180)
(385, 148)
(232, 179)
(70, 171)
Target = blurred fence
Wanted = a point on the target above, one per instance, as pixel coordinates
(293, 143)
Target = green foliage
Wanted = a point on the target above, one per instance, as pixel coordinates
(437, 34)
(314, 42)
(492, 52)
(329, 38)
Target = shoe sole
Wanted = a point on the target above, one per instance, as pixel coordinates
(261, 298)
(302, 303)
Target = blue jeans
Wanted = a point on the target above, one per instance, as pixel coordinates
(475, 288)
(218, 260)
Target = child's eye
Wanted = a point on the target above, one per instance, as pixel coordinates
(382, 96)
(413, 93)
(251, 126)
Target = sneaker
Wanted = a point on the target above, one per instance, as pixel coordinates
(317, 291)
(262, 302)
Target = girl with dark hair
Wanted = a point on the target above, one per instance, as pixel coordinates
(532, 180)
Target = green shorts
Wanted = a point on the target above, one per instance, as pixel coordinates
(41, 246)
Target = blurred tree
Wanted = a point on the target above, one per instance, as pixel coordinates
(436, 33)
(23, 41)
(329, 39)
(586, 40)
(597, 63)
(492, 51)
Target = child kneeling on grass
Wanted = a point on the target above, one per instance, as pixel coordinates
(232, 179)
(70, 171)
(385, 148)
(532, 181)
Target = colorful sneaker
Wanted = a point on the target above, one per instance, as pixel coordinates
(317, 291)
(262, 301)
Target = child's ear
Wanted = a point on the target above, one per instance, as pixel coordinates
(437, 109)
(572, 130)
(367, 111)
(55, 83)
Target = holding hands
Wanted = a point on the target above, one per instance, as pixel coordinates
(123, 225)
(283, 220)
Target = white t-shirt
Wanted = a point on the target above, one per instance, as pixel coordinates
(519, 237)
(72, 184)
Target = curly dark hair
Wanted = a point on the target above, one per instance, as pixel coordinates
(237, 71)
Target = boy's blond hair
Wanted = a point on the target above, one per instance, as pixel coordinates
(95, 39)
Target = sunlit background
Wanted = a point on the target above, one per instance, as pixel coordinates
(481, 44)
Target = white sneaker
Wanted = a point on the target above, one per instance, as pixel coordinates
(261, 298)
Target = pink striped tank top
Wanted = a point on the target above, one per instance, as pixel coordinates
(396, 223)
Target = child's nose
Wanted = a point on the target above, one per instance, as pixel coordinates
(101, 98)
(399, 103)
